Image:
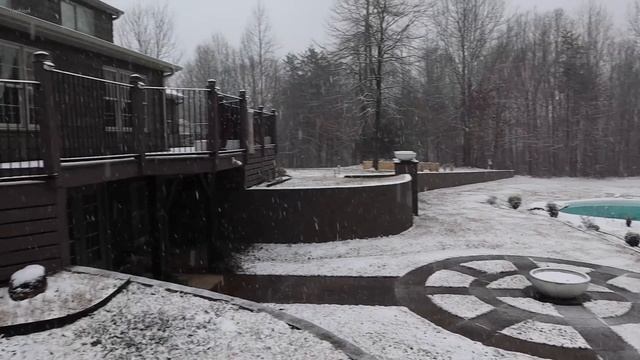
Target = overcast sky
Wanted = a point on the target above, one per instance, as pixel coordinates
(296, 23)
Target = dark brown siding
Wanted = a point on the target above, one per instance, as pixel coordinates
(259, 167)
(104, 26)
(78, 60)
(31, 228)
(49, 10)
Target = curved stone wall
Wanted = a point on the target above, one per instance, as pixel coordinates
(318, 214)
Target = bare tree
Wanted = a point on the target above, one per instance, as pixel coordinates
(465, 29)
(374, 37)
(258, 49)
(150, 30)
(634, 18)
(215, 59)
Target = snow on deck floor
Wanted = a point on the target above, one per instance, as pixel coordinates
(149, 322)
(458, 222)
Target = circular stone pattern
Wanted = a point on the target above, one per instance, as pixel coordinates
(491, 300)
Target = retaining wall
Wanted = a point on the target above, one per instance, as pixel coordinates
(320, 214)
(440, 180)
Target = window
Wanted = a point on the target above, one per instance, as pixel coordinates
(16, 99)
(5, 3)
(77, 17)
(117, 103)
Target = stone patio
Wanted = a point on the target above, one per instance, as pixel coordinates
(497, 309)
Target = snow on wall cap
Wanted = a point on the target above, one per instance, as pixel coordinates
(28, 274)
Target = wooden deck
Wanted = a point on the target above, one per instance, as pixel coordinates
(84, 130)
(86, 133)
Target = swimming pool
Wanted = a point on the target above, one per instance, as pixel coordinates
(606, 208)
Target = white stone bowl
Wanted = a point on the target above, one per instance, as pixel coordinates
(405, 155)
(559, 283)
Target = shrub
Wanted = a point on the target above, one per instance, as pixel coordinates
(281, 172)
(589, 224)
(633, 239)
(492, 200)
(515, 201)
(553, 209)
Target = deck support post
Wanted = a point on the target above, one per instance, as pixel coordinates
(244, 128)
(410, 167)
(212, 229)
(63, 226)
(50, 134)
(159, 225)
(138, 116)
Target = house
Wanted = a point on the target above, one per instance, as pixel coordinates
(101, 164)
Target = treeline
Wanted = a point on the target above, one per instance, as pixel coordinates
(458, 81)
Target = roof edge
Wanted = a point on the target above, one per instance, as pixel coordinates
(30, 24)
(103, 6)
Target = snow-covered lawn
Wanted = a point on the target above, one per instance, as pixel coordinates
(459, 222)
(67, 293)
(146, 322)
(456, 222)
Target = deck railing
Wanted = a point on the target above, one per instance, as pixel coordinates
(67, 117)
(184, 119)
(19, 139)
(94, 115)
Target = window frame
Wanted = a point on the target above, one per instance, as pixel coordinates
(26, 101)
(79, 10)
(121, 98)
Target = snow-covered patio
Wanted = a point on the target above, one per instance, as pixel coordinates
(452, 287)
(148, 319)
(459, 222)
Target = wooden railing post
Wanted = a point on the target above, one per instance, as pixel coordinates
(137, 115)
(244, 124)
(274, 129)
(213, 121)
(261, 128)
(47, 115)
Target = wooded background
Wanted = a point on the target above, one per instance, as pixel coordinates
(457, 81)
